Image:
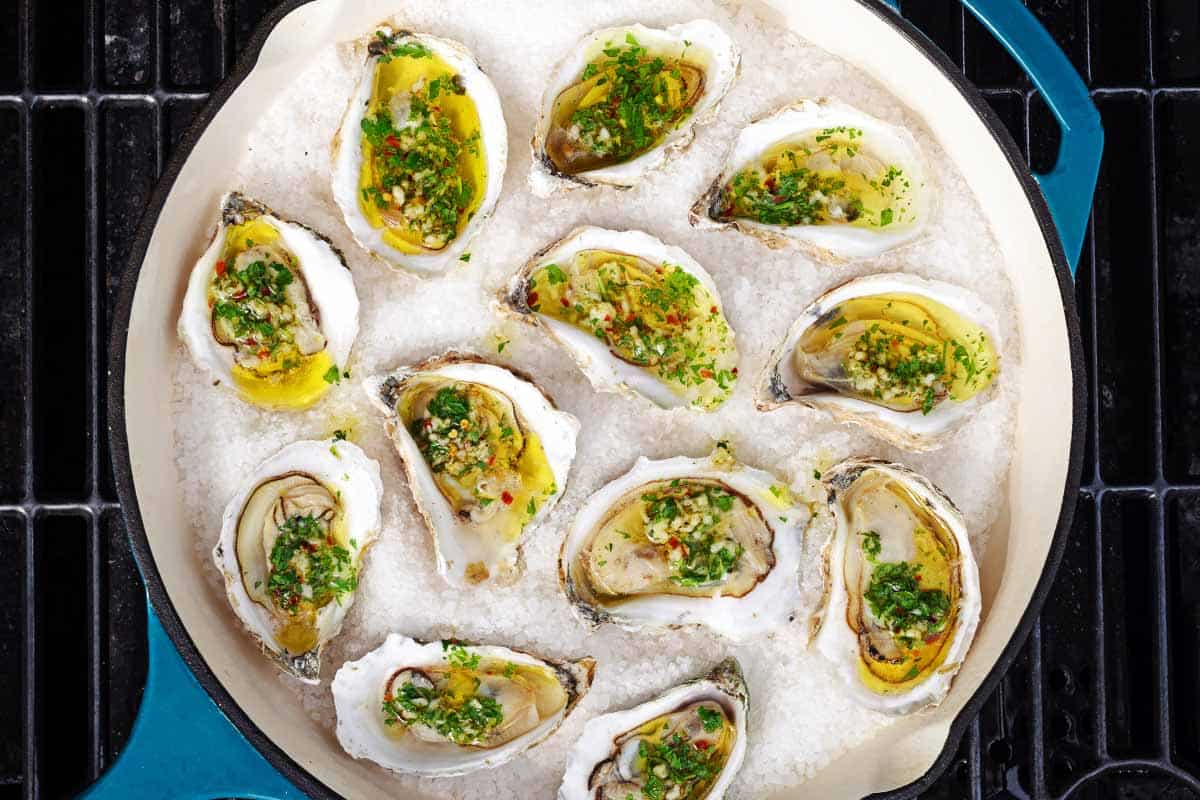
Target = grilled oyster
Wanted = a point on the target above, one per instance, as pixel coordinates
(419, 158)
(904, 595)
(686, 744)
(822, 175)
(270, 307)
(908, 358)
(291, 547)
(487, 457)
(446, 708)
(637, 315)
(688, 541)
(624, 99)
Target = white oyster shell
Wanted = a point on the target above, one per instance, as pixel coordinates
(775, 601)
(329, 283)
(347, 155)
(348, 474)
(702, 39)
(457, 545)
(358, 690)
(839, 642)
(605, 371)
(780, 384)
(833, 243)
(724, 686)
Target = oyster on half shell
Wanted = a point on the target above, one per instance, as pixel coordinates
(624, 98)
(909, 359)
(446, 708)
(904, 596)
(270, 308)
(291, 547)
(486, 454)
(419, 159)
(687, 744)
(839, 183)
(637, 315)
(687, 541)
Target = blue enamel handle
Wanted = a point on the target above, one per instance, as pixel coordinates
(183, 745)
(1069, 186)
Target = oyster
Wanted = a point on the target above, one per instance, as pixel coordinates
(419, 158)
(688, 541)
(904, 595)
(624, 99)
(446, 708)
(487, 457)
(637, 315)
(686, 744)
(839, 183)
(910, 359)
(291, 548)
(270, 307)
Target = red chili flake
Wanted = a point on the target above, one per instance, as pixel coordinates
(933, 637)
(917, 578)
(608, 317)
(734, 370)
(630, 318)
(701, 745)
(264, 353)
(658, 270)
(507, 498)
(778, 199)
(565, 303)
(491, 460)
(220, 267)
(673, 542)
(393, 141)
(329, 539)
(672, 319)
(239, 295)
(428, 423)
(712, 310)
(706, 373)
(387, 698)
(533, 297)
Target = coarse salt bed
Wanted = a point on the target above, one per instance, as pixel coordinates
(405, 320)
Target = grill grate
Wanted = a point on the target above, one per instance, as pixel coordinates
(1103, 700)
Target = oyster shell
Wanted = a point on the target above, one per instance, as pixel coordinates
(270, 308)
(904, 596)
(688, 541)
(638, 316)
(584, 138)
(486, 454)
(909, 359)
(490, 703)
(688, 742)
(419, 159)
(313, 508)
(824, 176)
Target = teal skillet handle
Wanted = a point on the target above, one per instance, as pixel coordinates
(1070, 185)
(183, 746)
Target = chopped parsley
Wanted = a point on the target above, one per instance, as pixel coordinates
(465, 723)
(690, 519)
(308, 568)
(909, 612)
(333, 375)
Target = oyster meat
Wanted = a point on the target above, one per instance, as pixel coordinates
(688, 541)
(446, 708)
(419, 158)
(625, 98)
(486, 454)
(904, 597)
(638, 316)
(291, 548)
(824, 176)
(270, 308)
(686, 744)
(909, 359)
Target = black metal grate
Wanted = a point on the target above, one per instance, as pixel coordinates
(1103, 700)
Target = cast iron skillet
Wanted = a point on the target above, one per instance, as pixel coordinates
(227, 766)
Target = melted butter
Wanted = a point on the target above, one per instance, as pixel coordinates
(935, 553)
(299, 387)
(398, 76)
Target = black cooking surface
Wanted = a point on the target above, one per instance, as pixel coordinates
(1103, 700)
